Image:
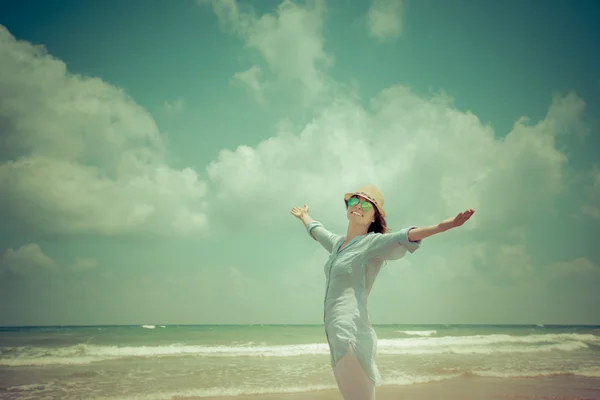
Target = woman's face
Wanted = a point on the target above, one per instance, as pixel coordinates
(360, 210)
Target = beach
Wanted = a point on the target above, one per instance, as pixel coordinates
(461, 388)
(251, 362)
(464, 388)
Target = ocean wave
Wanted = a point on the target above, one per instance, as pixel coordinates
(86, 353)
(275, 386)
(391, 379)
(591, 372)
(222, 392)
(481, 344)
(401, 378)
(418, 333)
(488, 344)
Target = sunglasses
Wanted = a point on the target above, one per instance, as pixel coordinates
(366, 206)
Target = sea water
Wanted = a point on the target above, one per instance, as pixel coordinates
(164, 361)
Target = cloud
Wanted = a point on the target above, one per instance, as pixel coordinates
(573, 284)
(527, 172)
(579, 269)
(30, 260)
(494, 264)
(290, 41)
(174, 107)
(423, 152)
(79, 156)
(84, 264)
(27, 260)
(430, 160)
(250, 79)
(384, 19)
(566, 115)
(591, 205)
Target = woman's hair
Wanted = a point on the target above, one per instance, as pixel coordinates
(379, 225)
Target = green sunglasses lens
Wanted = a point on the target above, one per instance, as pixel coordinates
(364, 204)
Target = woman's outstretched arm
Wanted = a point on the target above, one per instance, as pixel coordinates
(393, 246)
(417, 234)
(315, 229)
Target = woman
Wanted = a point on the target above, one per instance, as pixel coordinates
(350, 271)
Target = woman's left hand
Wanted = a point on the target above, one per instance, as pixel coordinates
(457, 221)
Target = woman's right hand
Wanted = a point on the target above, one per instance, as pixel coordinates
(300, 212)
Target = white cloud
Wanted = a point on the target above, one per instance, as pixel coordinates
(250, 78)
(79, 156)
(566, 115)
(27, 260)
(497, 263)
(430, 160)
(84, 264)
(289, 40)
(174, 107)
(384, 19)
(591, 205)
(580, 269)
(30, 260)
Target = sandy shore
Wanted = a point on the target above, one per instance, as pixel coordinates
(463, 388)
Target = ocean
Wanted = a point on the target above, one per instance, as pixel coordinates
(166, 361)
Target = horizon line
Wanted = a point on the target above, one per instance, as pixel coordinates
(294, 324)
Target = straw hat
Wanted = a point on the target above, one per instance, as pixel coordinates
(371, 193)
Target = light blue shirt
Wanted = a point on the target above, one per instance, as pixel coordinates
(350, 273)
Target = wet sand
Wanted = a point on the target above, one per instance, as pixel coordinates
(462, 388)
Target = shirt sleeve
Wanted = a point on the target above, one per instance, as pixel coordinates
(392, 246)
(318, 232)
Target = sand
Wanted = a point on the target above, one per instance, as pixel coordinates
(462, 388)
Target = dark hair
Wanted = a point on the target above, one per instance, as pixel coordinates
(379, 225)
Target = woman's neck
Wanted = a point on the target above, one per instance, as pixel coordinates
(355, 230)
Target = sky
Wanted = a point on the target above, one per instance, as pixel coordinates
(152, 151)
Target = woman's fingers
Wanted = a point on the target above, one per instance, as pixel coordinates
(298, 211)
(464, 216)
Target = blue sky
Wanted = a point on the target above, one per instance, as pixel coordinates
(152, 153)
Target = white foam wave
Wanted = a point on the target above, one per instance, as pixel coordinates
(391, 378)
(487, 344)
(482, 344)
(404, 379)
(149, 326)
(222, 392)
(85, 354)
(401, 378)
(418, 333)
(591, 372)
